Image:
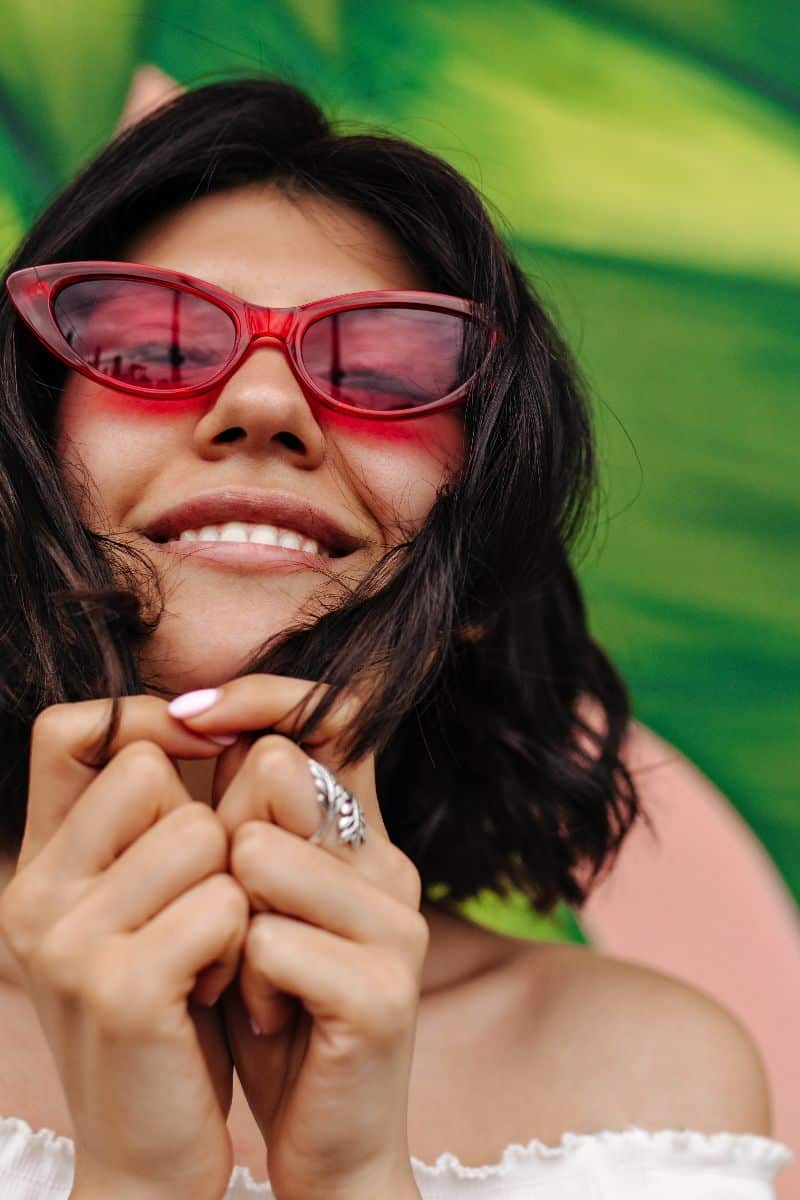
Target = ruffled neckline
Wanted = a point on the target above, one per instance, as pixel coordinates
(749, 1149)
(759, 1153)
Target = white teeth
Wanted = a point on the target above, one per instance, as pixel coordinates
(265, 535)
(234, 531)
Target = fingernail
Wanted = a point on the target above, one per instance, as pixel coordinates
(255, 1028)
(191, 704)
(224, 739)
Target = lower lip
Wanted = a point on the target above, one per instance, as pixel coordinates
(251, 556)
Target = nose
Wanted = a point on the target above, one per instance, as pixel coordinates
(263, 406)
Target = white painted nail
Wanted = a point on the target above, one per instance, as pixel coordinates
(191, 704)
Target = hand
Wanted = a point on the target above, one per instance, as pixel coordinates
(332, 961)
(121, 896)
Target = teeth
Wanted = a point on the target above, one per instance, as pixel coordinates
(265, 535)
(234, 531)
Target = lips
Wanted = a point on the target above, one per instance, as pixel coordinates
(285, 509)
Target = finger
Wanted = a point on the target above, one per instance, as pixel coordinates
(206, 925)
(275, 1009)
(335, 979)
(138, 789)
(373, 901)
(94, 877)
(359, 778)
(275, 784)
(63, 738)
(275, 702)
(176, 853)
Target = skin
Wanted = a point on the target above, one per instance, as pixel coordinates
(260, 429)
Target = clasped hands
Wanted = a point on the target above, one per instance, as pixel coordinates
(331, 965)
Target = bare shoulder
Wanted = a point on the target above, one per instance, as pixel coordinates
(678, 1057)
(650, 1049)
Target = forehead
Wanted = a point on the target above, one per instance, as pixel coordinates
(271, 248)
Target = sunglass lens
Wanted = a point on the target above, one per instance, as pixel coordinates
(386, 358)
(143, 333)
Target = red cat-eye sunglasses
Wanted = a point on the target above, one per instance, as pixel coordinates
(161, 334)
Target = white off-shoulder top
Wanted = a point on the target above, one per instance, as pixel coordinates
(631, 1164)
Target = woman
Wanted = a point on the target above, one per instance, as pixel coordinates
(321, 739)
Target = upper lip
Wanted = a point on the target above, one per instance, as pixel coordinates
(285, 509)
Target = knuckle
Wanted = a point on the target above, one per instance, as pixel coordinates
(400, 999)
(259, 936)
(404, 876)
(201, 830)
(151, 763)
(248, 845)
(48, 723)
(230, 900)
(392, 1003)
(418, 936)
(15, 927)
(271, 755)
(20, 917)
(409, 880)
(59, 961)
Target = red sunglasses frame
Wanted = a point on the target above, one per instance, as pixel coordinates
(33, 291)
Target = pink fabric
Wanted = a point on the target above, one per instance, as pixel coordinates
(707, 905)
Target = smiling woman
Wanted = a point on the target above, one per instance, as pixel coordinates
(284, 427)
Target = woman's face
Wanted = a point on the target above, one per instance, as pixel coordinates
(376, 479)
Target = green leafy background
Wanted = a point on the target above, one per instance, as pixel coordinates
(644, 157)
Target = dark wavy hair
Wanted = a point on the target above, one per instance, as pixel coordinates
(489, 774)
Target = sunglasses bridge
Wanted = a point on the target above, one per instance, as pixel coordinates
(270, 324)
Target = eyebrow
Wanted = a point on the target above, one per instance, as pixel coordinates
(227, 286)
(223, 283)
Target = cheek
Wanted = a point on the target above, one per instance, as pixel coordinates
(400, 467)
(97, 432)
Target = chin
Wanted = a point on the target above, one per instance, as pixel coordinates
(179, 668)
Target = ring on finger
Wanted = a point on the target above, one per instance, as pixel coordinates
(339, 808)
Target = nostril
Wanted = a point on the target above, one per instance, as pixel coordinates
(230, 435)
(291, 441)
